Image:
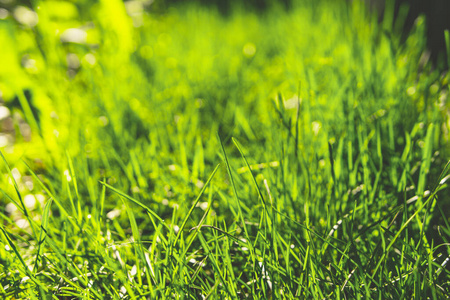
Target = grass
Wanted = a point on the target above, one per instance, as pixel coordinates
(181, 153)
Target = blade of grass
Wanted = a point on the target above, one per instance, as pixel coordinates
(240, 214)
(263, 201)
(43, 233)
(150, 212)
(52, 196)
(447, 46)
(183, 224)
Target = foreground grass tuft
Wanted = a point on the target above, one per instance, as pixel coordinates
(182, 153)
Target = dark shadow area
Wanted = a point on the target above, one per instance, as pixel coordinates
(437, 13)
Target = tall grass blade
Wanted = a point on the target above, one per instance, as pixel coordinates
(183, 224)
(149, 211)
(43, 233)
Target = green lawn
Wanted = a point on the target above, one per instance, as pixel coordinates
(176, 152)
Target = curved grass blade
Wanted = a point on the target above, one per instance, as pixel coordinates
(43, 232)
(195, 204)
(52, 196)
(151, 212)
(241, 216)
(263, 201)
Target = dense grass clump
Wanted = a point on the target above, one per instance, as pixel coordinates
(183, 153)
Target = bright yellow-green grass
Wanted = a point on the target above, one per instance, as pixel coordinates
(172, 151)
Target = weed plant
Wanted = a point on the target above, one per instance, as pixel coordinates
(180, 153)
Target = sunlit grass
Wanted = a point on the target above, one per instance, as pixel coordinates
(183, 153)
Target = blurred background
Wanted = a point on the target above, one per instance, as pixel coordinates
(436, 12)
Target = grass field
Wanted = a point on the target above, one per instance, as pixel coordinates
(176, 152)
